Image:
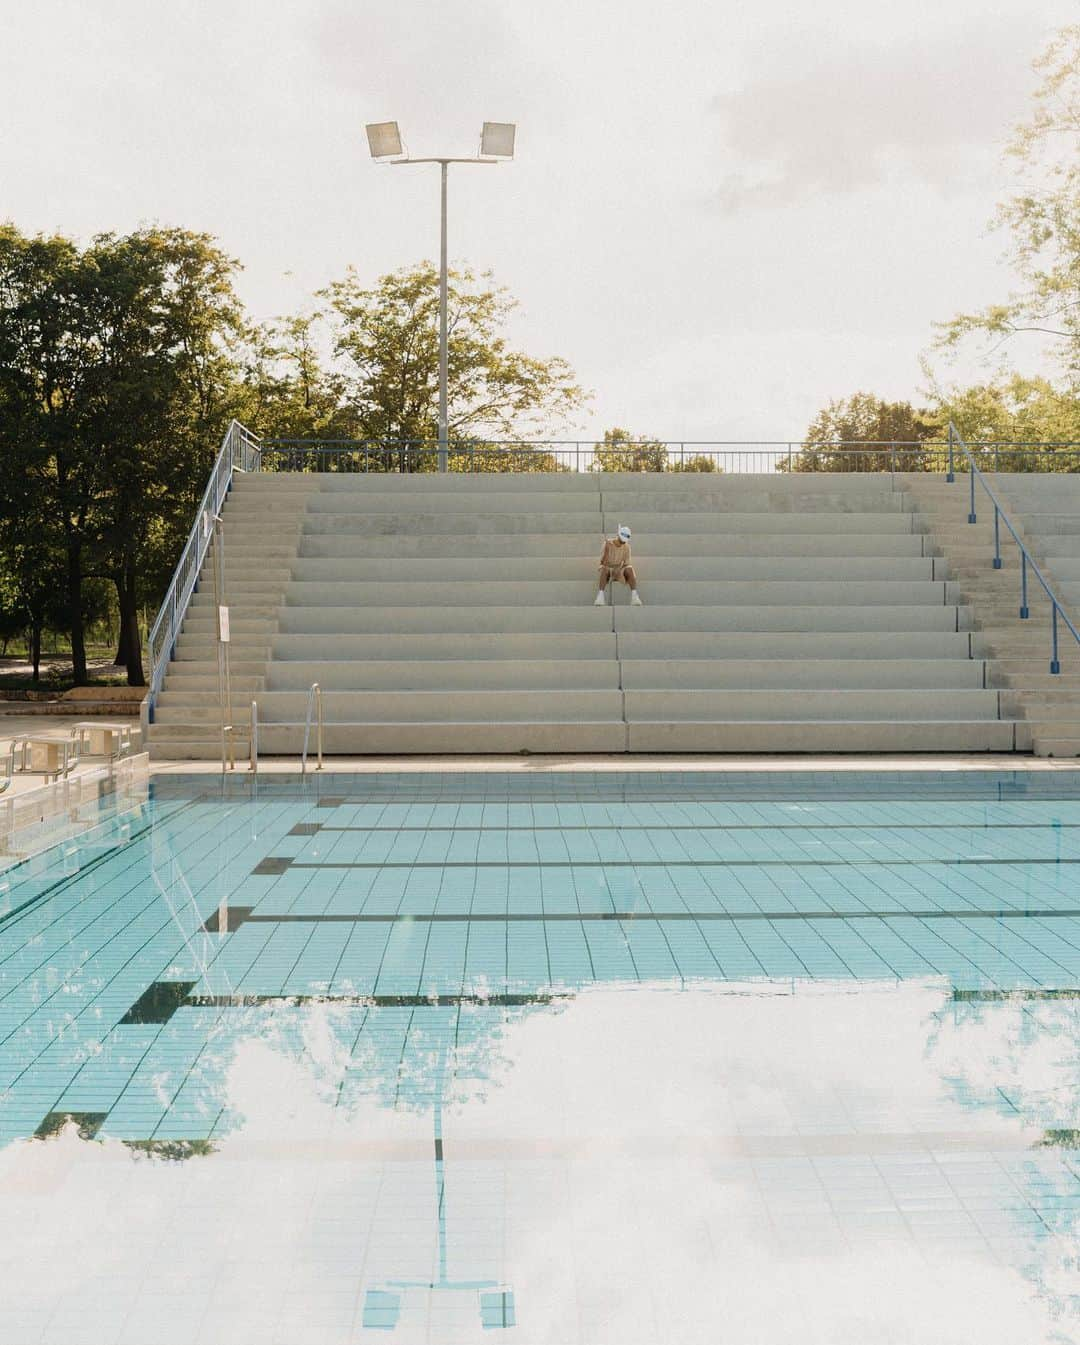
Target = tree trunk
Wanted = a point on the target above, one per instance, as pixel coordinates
(75, 615)
(130, 650)
(35, 651)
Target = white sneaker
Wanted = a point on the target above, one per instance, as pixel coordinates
(598, 601)
(635, 599)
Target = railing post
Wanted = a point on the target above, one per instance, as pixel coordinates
(997, 541)
(950, 475)
(971, 473)
(1024, 612)
(1055, 666)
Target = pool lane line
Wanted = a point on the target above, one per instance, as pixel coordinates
(317, 829)
(570, 917)
(279, 864)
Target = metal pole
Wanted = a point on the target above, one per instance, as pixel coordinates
(443, 360)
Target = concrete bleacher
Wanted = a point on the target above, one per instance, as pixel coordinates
(453, 614)
(1045, 508)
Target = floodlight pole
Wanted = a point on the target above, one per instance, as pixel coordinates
(444, 354)
(444, 358)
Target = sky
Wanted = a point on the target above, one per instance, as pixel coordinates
(723, 215)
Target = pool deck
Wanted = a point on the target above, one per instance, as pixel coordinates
(623, 762)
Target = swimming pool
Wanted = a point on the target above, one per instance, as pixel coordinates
(572, 1056)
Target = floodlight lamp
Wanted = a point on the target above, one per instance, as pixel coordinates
(384, 139)
(497, 140)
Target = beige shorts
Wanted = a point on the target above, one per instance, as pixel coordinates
(614, 571)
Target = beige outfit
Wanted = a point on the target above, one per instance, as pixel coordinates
(615, 558)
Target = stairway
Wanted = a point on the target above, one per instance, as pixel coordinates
(1046, 510)
(454, 614)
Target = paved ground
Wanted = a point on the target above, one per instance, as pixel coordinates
(14, 666)
(983, 761)
(54, 726)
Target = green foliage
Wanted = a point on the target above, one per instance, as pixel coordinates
(386, 342)
(290, 392)
(116, 379)
(845, 437)
(697, 462)
(621, 451)
(483, 457)
(1043, 219)
(1018, 409)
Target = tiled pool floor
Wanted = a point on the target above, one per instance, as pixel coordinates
(569, 1057)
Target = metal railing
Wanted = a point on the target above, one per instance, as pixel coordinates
(1027, 561)
(409, 456)
(314, 702)
(240, 452)
(253, 740)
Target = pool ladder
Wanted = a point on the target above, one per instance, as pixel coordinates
(314, 704)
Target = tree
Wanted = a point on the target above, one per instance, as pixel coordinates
(387, 344)
(165, 385)
(116, 380)
(1015, 410)
(290, 392)
(1043, 217)
(621, 451)
(697, 462)
(46, 355)
(845, 437)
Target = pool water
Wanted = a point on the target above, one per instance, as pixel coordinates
(563, 1056)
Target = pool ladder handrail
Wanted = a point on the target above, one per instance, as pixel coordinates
(254, 737)
(314, 703)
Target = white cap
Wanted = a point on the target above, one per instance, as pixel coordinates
(624, 533)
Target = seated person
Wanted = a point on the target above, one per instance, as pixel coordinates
(615, 564)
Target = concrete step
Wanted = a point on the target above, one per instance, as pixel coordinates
(685, 543)
(462, 674)
(473, 524)
(878, 645)
(298, 650)
(1047, 743)
(655, 645)
(824, 736)
(202, 647)
(821, 674)
(240, 602)
(537, 705)
(574, 566)
(449, 483)
(203, 620)
(834, 705)
(565, 619)
(680, 737)
(532, 706)
(658, 593)
(180, 680)
(527, 503)
(644, 521)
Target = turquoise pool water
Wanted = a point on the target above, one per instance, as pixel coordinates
(573, 1056)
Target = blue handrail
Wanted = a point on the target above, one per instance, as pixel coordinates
(1027, 561)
